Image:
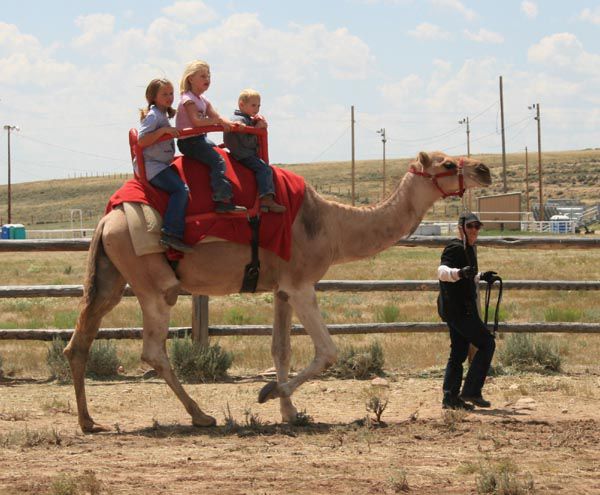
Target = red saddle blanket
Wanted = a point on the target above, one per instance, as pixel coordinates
(202, 221)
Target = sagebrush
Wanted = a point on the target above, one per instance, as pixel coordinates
(359, 362)
(102, 360)
(523, 352)
(196, 363)
(57, 362)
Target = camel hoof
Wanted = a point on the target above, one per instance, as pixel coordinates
(204, 421)
(268, 392)
(93, 428)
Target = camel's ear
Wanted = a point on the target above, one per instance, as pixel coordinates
(424, 159)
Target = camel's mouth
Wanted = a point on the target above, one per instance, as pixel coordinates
(481, 175)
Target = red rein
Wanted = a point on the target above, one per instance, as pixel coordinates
(434, 178)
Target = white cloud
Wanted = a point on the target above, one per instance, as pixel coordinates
(530, 9)
(484, 36)
(564, 51)
(402, 93)
(590, 15)
(442, 65)
(24, 60)
(427, 31)
(95, 27)
(467, 13)
(191, 12)
(299, 53)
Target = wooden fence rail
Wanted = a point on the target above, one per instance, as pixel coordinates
(27, 291)
(201, 330)
(334, 329)
(541, 242)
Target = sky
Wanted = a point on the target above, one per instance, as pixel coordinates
(73, 76)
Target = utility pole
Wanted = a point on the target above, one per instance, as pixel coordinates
(353, 164)
(526, 179)
(504, 187)
(536, 106)
(8, 129)
(383, 140)
(465, 120)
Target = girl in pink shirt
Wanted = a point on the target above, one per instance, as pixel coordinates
(195, 110)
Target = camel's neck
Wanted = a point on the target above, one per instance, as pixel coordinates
(363, 232)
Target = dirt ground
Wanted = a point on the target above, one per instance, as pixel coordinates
(543, 430)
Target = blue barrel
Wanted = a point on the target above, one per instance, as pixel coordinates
(559, 224)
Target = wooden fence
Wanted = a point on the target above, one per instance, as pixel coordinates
(201, 331)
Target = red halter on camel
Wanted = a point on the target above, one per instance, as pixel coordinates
(434, 178)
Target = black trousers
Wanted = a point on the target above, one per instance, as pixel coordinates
(464, 331)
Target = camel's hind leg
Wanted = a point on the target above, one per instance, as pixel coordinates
(156, 311)
(103, 289)
(281, 350)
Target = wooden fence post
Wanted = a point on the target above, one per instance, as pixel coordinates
(200, 320)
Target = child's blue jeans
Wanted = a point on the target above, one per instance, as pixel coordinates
(174, 220)
(263, 172)
(200, 148)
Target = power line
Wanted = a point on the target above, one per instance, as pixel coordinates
(331, 145)
(72, 150)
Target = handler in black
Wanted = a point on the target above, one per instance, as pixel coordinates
(457, 306)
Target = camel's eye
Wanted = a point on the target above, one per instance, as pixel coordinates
(449, 165)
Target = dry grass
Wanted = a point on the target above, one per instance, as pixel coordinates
(402, 351)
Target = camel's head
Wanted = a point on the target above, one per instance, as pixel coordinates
(451, 176)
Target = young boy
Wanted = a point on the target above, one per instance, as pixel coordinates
(243, 147)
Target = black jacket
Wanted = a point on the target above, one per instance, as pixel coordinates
(457, 299)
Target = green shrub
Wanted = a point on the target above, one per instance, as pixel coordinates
(361, 363)
(527, 353)
(388, 314)
(503, 480)
(236, 317)
(57, 362)
(196, 363)
(76, 484)
(65, 319)
(562, 314)
(102, 360)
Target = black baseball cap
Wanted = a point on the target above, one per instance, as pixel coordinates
(467, 217)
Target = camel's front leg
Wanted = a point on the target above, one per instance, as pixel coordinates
(304, 302)
(281, 350)
(156, 314)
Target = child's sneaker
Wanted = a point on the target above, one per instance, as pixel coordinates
(175, 243)
(268, 203)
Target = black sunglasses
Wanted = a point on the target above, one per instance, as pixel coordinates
(475, 226)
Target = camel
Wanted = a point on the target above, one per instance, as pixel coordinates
(323, 233)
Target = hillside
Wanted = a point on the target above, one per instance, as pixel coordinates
(571, 175)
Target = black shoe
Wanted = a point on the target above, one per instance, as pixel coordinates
(477, 400)
(223, 207)
(175, 243)
(453, 402)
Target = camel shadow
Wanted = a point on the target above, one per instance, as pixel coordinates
(227, 430)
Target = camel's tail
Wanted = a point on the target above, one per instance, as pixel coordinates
(103, 284)
(95, 253)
